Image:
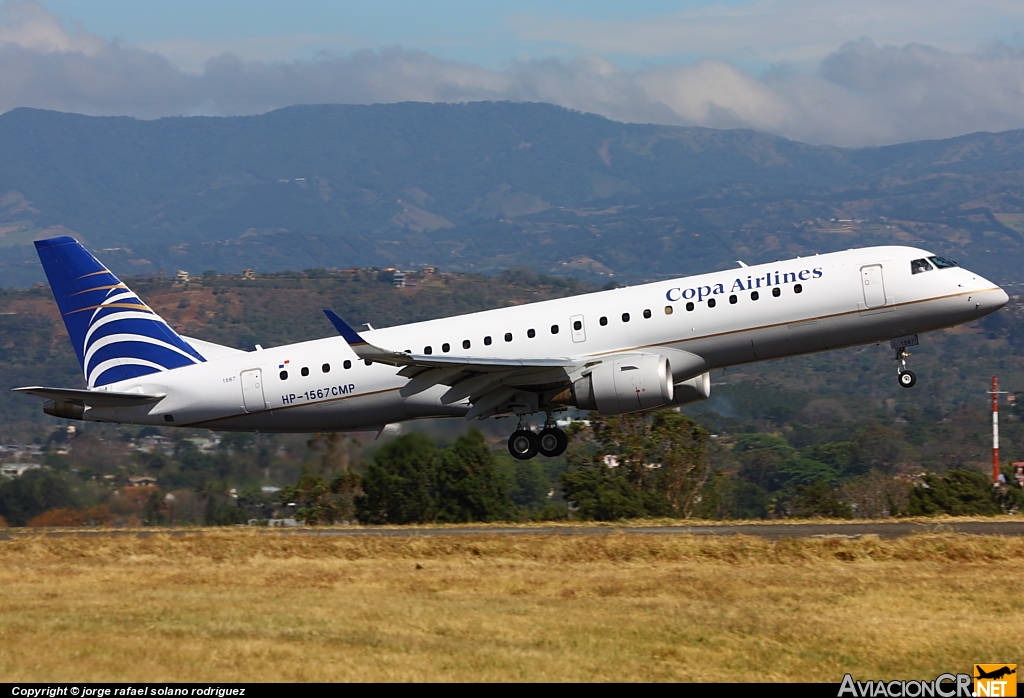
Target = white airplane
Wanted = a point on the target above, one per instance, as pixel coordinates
(618, 351)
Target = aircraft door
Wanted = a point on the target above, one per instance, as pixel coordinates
(873, 285)
(579, 330)
(252, 391)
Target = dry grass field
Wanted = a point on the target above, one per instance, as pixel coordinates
(242, 606)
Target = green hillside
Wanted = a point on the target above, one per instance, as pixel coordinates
(483, 187)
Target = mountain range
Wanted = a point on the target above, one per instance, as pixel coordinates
(487, 186)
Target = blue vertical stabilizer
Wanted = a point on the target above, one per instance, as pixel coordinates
(115, 335)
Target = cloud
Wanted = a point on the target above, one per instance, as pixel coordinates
(790, 31)
(860, 94)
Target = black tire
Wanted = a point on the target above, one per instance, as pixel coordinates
(523, 444)
(552, 442)
(908, 379)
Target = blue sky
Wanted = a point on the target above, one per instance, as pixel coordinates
(849, 72)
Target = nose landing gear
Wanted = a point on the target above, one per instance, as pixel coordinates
(525, 444)
(906, 377)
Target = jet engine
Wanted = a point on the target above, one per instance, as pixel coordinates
(694, 390)
(625, 384)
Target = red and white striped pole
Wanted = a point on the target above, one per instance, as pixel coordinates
(995, 429)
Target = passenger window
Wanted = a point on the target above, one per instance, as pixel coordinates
(711, 302)
(647, 314)
(487, 341)
(578, 325)
(625, 317)
(799, 288)
(603, 321)
(326, 368)
(943, 263)
(446, 347)
(284, 375)
(920, 265)
(776, 292)
(428, 350)
(689, 306)
(668, 309)
(508, 336)
(347, 365)
(465, 344)
(733, 299)
(554, 328)
(367, 362)
(304, 371)
(754, 295)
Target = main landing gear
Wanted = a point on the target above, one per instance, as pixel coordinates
(524, 443)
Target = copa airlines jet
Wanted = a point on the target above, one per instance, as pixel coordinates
(625, 350)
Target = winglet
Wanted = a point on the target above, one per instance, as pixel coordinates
(346, 332)
(363, 349)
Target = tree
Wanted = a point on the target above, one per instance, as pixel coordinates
(321, 502)
(760, 457)
(468, 486)
(879, 447)
(877, 495)
(818, 500)
(33, 493)
(601, 494)
(397, 485)
(660, 455)
(410, 481)
(958, 492)
(528, 481)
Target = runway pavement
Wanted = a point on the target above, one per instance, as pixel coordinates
(771, 531)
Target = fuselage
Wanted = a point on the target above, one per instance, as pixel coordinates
(726, 318)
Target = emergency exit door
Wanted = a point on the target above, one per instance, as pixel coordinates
(252, 391)
(873, 285)
(579, 330)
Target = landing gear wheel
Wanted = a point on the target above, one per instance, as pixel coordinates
(552, 442)
(908, 379)
(523, 444)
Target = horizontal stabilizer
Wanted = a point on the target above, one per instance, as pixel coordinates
(92, 398)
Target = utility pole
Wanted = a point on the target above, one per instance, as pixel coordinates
(995, 393)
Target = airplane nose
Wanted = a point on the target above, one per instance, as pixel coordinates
(999, 299)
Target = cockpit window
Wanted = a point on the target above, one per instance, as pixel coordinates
(942, 263)
(920, 265)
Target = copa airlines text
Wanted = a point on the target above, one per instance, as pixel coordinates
(618, 351)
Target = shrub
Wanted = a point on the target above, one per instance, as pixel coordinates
(958, 492)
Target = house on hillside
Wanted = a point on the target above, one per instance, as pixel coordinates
(181, 277)
(13, 470)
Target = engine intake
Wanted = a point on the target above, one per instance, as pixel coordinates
(626, 384)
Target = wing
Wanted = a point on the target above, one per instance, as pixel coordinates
(492, 385)
(91, 398)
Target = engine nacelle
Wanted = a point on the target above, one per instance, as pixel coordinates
(694, 390)
(627, 384)
(64, 410)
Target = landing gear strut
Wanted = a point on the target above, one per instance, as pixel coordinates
(525, 444)
(906, 377)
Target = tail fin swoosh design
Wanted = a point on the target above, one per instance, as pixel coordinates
(115, 335)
